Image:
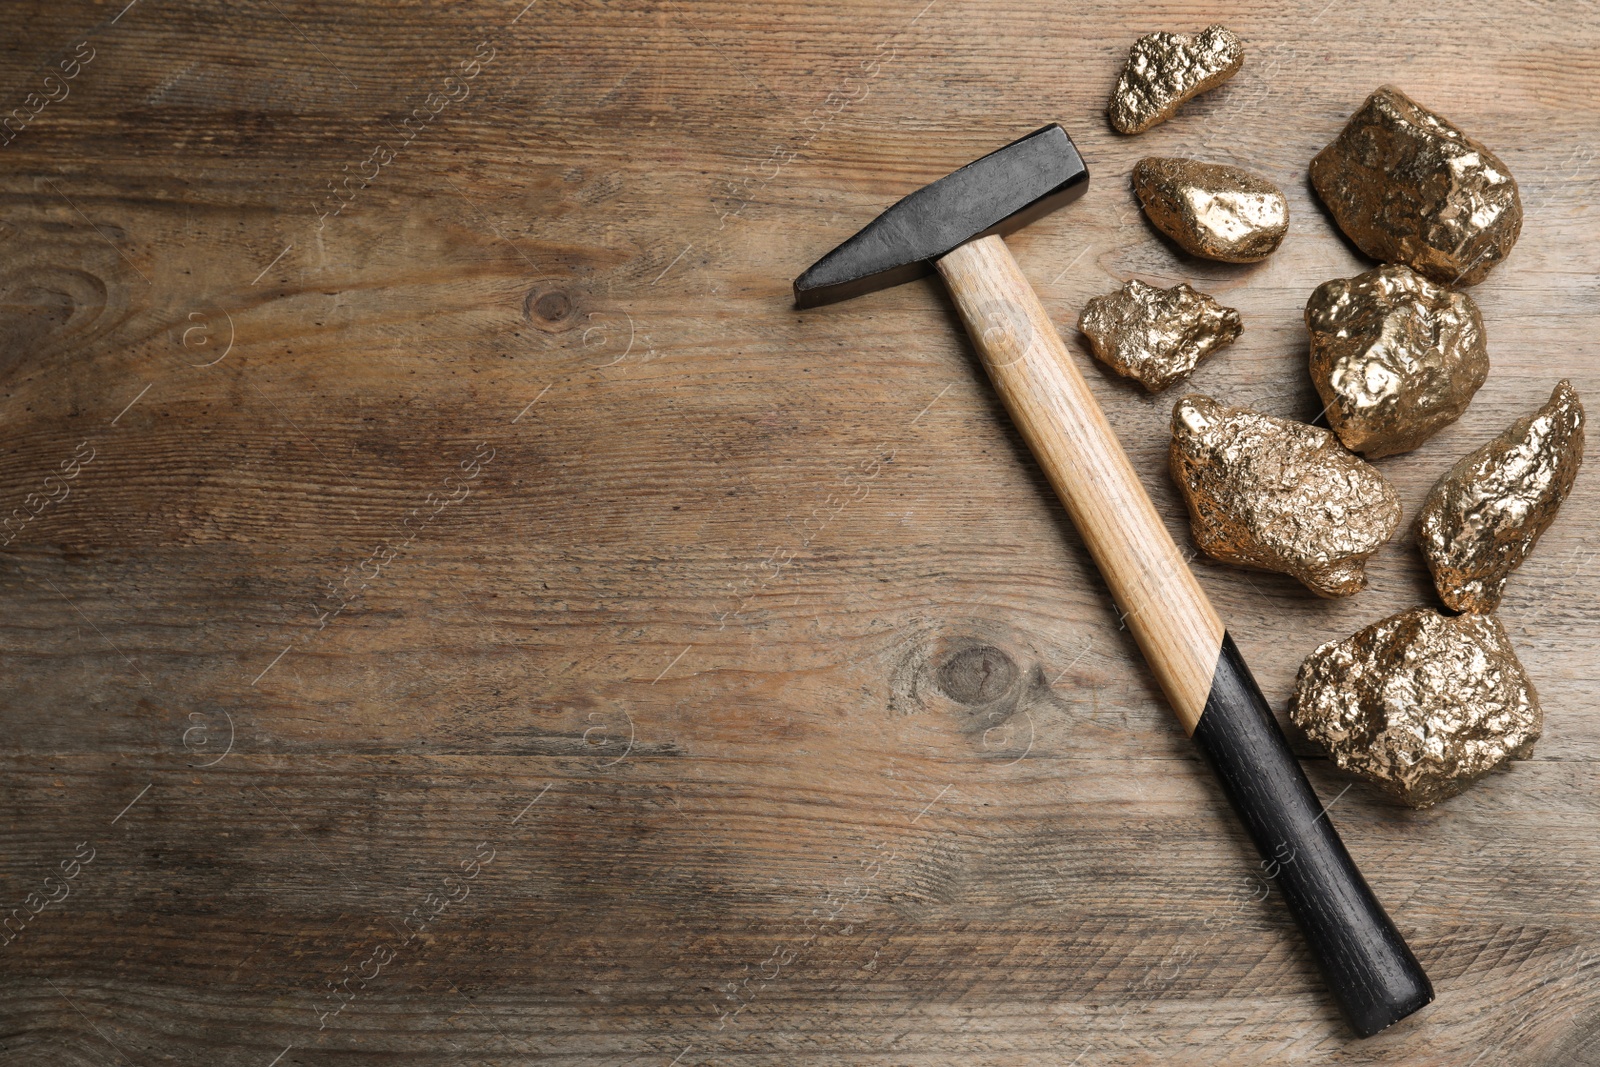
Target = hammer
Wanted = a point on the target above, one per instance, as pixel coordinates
(956, 226)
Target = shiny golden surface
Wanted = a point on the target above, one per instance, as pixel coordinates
(1279, 495)
(1407, 186)
(1394, 357)
(1483, 518)
(1419, 703)
(1166, 69)
(1156, 336)
(1211, 209)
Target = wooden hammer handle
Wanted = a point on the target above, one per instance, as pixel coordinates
(1177, 629)
(1372, 974)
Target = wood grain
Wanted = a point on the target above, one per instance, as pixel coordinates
(521, 482)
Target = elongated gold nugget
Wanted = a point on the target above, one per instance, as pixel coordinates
(1420, 704)
(1211, 209)
(1407, 186)
(1164, 70)
(1156, 336)
(1483, 518)
(1279, 495)
(1394, 357)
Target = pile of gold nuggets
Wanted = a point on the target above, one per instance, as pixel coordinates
(1425, 702)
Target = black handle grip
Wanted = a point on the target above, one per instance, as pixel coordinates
(1364, 960)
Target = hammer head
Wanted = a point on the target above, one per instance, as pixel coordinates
(1002, 192)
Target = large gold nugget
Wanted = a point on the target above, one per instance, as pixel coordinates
(1211, 209)
(1164, 70)
(1157, 336)
(1419, 703)
(1279, 495)
(1395, 357)
(1484, 517)
(1407, 186)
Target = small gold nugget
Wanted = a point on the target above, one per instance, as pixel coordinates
(1395, 357)
(1164, 70)
(1212, 210)
(1483, 518)
(1279, 495)
(1157, 336)
(1419, 703)
(1407, 186)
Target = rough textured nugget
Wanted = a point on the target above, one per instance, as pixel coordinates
(1211, 209)
(1483, 517)
(1420, 704)
(1157, 336)
(1279, 495)
(1394, 357)
(1166, 69)
(1408, 187)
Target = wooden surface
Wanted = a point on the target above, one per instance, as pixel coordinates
(471, 618)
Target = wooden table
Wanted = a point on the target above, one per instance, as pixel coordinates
(460, 613)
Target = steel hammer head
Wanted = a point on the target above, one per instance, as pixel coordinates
(1002, 192)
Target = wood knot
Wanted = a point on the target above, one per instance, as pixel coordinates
(547, 308)
(977, 675)
(983, 690)
(52, 309)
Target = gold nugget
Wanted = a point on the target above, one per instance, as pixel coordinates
(1212, 210)
(1164, 70)
(1395, 357)
(1419, 703)
(1157, 336)
(1483, 518)
(1407, 186)
(1279, 495)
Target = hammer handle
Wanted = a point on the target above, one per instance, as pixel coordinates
(1369, 969)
